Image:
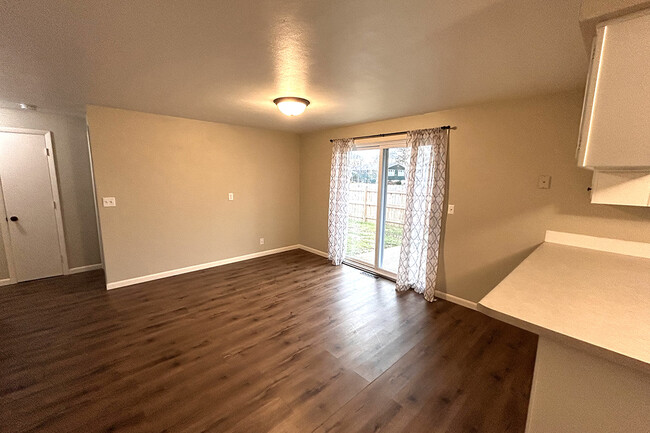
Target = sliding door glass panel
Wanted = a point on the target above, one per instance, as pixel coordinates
(394, 203)
(362, 206)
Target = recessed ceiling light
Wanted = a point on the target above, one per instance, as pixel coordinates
(27, 106)
(291, 105)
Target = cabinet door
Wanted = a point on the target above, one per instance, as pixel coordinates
(615, 130)
(628, 188)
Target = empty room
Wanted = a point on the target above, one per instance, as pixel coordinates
(296, 216)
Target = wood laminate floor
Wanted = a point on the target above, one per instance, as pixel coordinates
(285, 343)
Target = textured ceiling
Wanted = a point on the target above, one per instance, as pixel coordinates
(226, 60)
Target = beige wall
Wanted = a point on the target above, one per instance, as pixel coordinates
(171, 178)
(75, 185)
(495, 157)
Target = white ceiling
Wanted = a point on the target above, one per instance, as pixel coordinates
(226, 60)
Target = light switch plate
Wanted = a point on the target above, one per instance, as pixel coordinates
(450, 209)
(544, 182)
(108, 201)
(231, 196)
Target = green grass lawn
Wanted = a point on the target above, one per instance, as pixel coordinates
(361, 236)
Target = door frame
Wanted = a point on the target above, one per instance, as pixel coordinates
(54, 184)
(381, 144)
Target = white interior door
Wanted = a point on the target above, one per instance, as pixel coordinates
(29, 206)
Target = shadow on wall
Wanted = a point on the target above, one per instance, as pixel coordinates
(576, 183)
(489, 275)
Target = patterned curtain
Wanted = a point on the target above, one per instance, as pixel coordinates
(337, 224)
(425, 194)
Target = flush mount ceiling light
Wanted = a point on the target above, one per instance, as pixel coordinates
(290, 105)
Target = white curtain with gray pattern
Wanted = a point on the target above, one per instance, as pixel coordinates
(337, 224)
(425, 194)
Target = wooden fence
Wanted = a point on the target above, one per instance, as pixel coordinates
(363, 202)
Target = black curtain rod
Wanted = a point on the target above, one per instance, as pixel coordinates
(388, 134)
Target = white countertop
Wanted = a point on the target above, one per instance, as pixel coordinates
(598, 301)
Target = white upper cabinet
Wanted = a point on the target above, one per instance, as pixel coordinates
(615, 129)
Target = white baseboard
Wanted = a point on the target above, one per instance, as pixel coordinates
(313, 250)
(171, 273)
(86, 268)
(77, 270)
(442, 295)
(628, 248)
(456, 300)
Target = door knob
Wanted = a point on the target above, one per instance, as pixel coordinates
(13, 218)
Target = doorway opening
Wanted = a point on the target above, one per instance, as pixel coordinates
(376, 207)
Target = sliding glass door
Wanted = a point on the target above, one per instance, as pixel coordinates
(362, 206)
(394, 202)
(376, 206)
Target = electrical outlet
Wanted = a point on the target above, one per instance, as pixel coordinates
(261, 241)
(544, 182)
(450, 209)
(231, 196)
(108, 201)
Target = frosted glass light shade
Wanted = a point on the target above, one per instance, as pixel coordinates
(291, 106)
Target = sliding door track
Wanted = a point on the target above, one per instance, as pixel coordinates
(369, 270)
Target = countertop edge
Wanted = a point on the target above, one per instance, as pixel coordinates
(608, 354)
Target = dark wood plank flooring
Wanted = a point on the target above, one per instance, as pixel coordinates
(283, 344)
